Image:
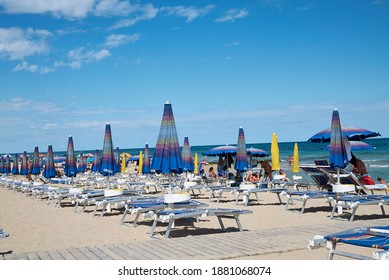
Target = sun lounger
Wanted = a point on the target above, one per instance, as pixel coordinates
(171, 216)
(352, 202)
(216, 192)
(371, 237)
(305, 196)
(246, 190)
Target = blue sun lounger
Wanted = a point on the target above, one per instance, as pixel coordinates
(370, 237)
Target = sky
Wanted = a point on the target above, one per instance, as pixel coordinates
(68, 67)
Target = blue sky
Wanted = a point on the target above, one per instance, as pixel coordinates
(70, 66)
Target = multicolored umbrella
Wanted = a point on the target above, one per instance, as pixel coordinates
(356, 146)
(70, 161)
(186, 154)
(295, 164)
(353, 133)
(35, 167)
(81, 168)
(49, 169)
(2, 164)
(339, 155)
(117, 160)
(96, 162)
(24, 167)
(221, 151)
(241, 163)
(107, 164)
(275, 153)
(7, 165)
(15, 166)
(167, 154)
(255, 152)
(146, 160)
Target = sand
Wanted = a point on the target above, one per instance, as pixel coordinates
(36, 226)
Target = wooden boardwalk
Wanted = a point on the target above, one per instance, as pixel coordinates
(215, 246)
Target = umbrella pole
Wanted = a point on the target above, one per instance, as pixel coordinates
(338, 172)
(170, 182)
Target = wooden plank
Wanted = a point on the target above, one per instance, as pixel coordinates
(44, 256)
(55, 255)
(66, 255)
(99, 253)
(143, 253)
(88, 254)
(107, 250)
(77, 254)
(32, 256)
(122, 254)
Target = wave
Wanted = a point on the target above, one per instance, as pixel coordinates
(378, 166)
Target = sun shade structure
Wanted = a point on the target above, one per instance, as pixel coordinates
(96, 162)
(353, 133)
(35, 166)
(49, 170)
(275, 153)
(221, 151)
(146, 160)
(295, 164)
(82, 163)
(24, 167)
(70, 161)
(140, 163)
(187, 159)
(356, 146)
(241, 163)
(107, 164)
(15, 166)
(167, 155)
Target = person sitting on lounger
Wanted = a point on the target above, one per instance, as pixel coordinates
(267, 169)
(254, 177)
(359, 168)
(211, 173)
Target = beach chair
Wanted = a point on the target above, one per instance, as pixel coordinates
(171, 216)
(303, 197)
(371, 237)
(352, 202)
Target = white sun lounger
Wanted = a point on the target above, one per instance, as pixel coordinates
(303, 197)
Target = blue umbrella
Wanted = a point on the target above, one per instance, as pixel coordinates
(187, 159)
(35, 167)
(7, 165)
(96, 162)
(107, 164)
(241, 163)
(117, 160)
(167, 155)
(353, 133)
(146, 160)
(15, 166)
(2, 164)
(339, 154)
(221, 151)
(356, 146)
(70, 161)
(49, 169)
(82, 164)
(24, 167)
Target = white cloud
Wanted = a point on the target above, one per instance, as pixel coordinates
(232, 44)
(116, 40)
(138, 13)
(190, 13)
(232, 14)
(25, 66)
(81, 56)
(17, 43)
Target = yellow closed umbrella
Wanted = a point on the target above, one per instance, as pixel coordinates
(124, 163)
(295, 165)
(275, 153)
(140, 162)
(196, 164)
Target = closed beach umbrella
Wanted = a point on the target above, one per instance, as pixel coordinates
(96, 162)
(117, 160)
(140, 163)
(107, 164)
(81, 168)
(35, 167)
(15, 166)
(70, 161)
(275, 153)
(24, 167)
(7, 165)
(49, 169)
(196, 164)
(339, 156)
(241, 163)
(167, 155)
(2, 164)
(124, 163)
(295, 164)
(187, 159)
(146, 160)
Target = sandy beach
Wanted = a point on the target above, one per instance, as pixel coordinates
(36, 226)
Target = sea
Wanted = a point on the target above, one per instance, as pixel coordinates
(376, 160)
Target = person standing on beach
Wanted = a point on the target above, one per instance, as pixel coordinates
(359, 168)
(267, 168)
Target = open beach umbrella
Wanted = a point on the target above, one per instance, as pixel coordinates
(275, 153)
(96, 162)
(7, 165)
(255, 152)
(24, 167)
(353, 133)
(49, 169)
(140, 163)
(107, 164)
(196, 164)
(146, 160)
(70, 160)
(187, 159)
(339, 156)
(15, 166)
(167, 155)
(81, 168)
(295, 164)
(35, 166)
(241, 163)
(221, 151)
(356, 146)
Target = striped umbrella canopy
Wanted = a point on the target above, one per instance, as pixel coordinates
(353, 133)
(221, 151)
(107, 164)
(49, 169)
(146, 160)
(70, 161)
(15, 166)
(35, 167)
(96, 162)
(82, 163)
(117, 160)
(167, 155)
(275, 153)
(338, 154)
(186, 154)
(241, 162)
(255, 152)
(24, 167)
(356, 146)
(2, 164)
(7, 165)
